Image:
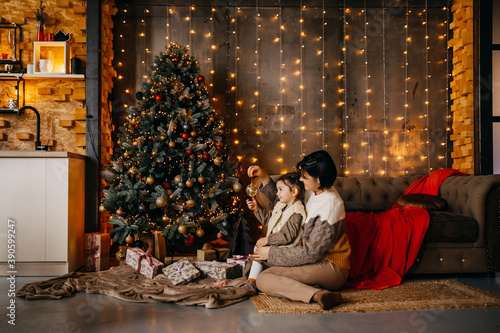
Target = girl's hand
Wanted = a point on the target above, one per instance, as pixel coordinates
(262, 242)
(262, 253)
(252, 204)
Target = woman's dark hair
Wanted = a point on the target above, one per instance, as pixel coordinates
(319, 165)
(292, 180)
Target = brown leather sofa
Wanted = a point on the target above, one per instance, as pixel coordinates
(463, 238)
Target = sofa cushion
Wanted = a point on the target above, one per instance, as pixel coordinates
(425, 201)
(451, 227)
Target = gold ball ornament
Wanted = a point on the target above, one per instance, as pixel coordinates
(126, 154)
(135, 143)
(189, 183)
(237, 187)
(177, 179)
(150, 180)
(218, 161)
(200, 233)
(129, 239)
(182, 229)
(201, 179)
(194, 133)
(169, 192)
(165, 218)
(102, 209)
(119, 142)
(252, 190)
(190, 168)
(190, 203)
(119, 211)
(132, 171)
(171, 144)
(161, 202)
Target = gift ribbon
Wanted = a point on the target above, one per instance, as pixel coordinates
(179, 270)
(149, 258)
(240, 256)
(92, 251)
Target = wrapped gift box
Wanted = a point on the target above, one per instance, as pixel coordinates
(208, 254)
(182, 271)
(143, 262)
(218, 270)
(241, 260)
(96, 252)
(154, 240)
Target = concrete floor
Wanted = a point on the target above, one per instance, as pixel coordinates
(99, 313)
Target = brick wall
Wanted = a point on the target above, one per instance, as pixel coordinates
(462, 86)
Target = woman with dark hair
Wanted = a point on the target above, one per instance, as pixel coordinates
(310, 272)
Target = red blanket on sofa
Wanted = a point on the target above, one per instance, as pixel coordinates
(384, 245)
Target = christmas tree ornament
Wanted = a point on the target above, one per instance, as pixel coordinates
(189, 241)
(150, 180)
(224, 224)
(194, 134)
(136, 125)
(206, 156)
(185, 136)
(201, 179)
(252, 190)
(166, 185)
(182, 228)
(161, 202)
(177, 179)
(237, 187)
(219, 147)
(200, 233)
(141, 208)
(186, 127)
(159, 97)
(181, 185)
(132, 171)
(165, 218)
(190, 168)
(171, 144)
(220, 235)
(218, 161)
(119, 211)
(125, 154)
(129, 239)
(139, 95)
(190, 203)
(155, 65)
(175, 59)
(189, 183)
(119, 142)
(102, 209)
(189, 152)
(201, 78)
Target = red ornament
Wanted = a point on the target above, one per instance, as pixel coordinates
(136, 126)
(189, 152)
(185, 136)
(149, 80)
(159, 97)
(150, 137)
(189, 241)
(220, 235)
(201, 78)
(175, 59)
(220, 148)
(166, 185)
(206, 156)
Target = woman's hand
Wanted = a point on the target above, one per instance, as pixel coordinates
(252, 204)
(262, 253)
(262, 242)
(259, 173)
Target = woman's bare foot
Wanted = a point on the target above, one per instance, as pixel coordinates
(327, 299)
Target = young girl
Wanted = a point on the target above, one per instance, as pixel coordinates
(310, 272)
(284, 224)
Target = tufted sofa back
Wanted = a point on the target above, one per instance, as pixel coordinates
(372, 193)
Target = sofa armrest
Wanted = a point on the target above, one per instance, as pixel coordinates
(468, 195)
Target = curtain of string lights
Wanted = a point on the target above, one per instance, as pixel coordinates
(365, 80)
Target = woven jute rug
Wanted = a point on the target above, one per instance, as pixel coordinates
(410, 295)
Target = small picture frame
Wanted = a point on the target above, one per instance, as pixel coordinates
(50, 58)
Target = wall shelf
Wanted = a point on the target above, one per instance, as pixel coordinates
(42, 76)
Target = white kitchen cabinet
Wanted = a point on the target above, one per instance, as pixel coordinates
(43, 193)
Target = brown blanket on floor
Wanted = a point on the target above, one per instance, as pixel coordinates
(127, 284)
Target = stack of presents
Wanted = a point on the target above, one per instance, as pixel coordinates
(147, 255)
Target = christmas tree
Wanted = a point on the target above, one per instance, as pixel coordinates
(171, 169)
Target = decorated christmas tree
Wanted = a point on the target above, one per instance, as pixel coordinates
(172, 169)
